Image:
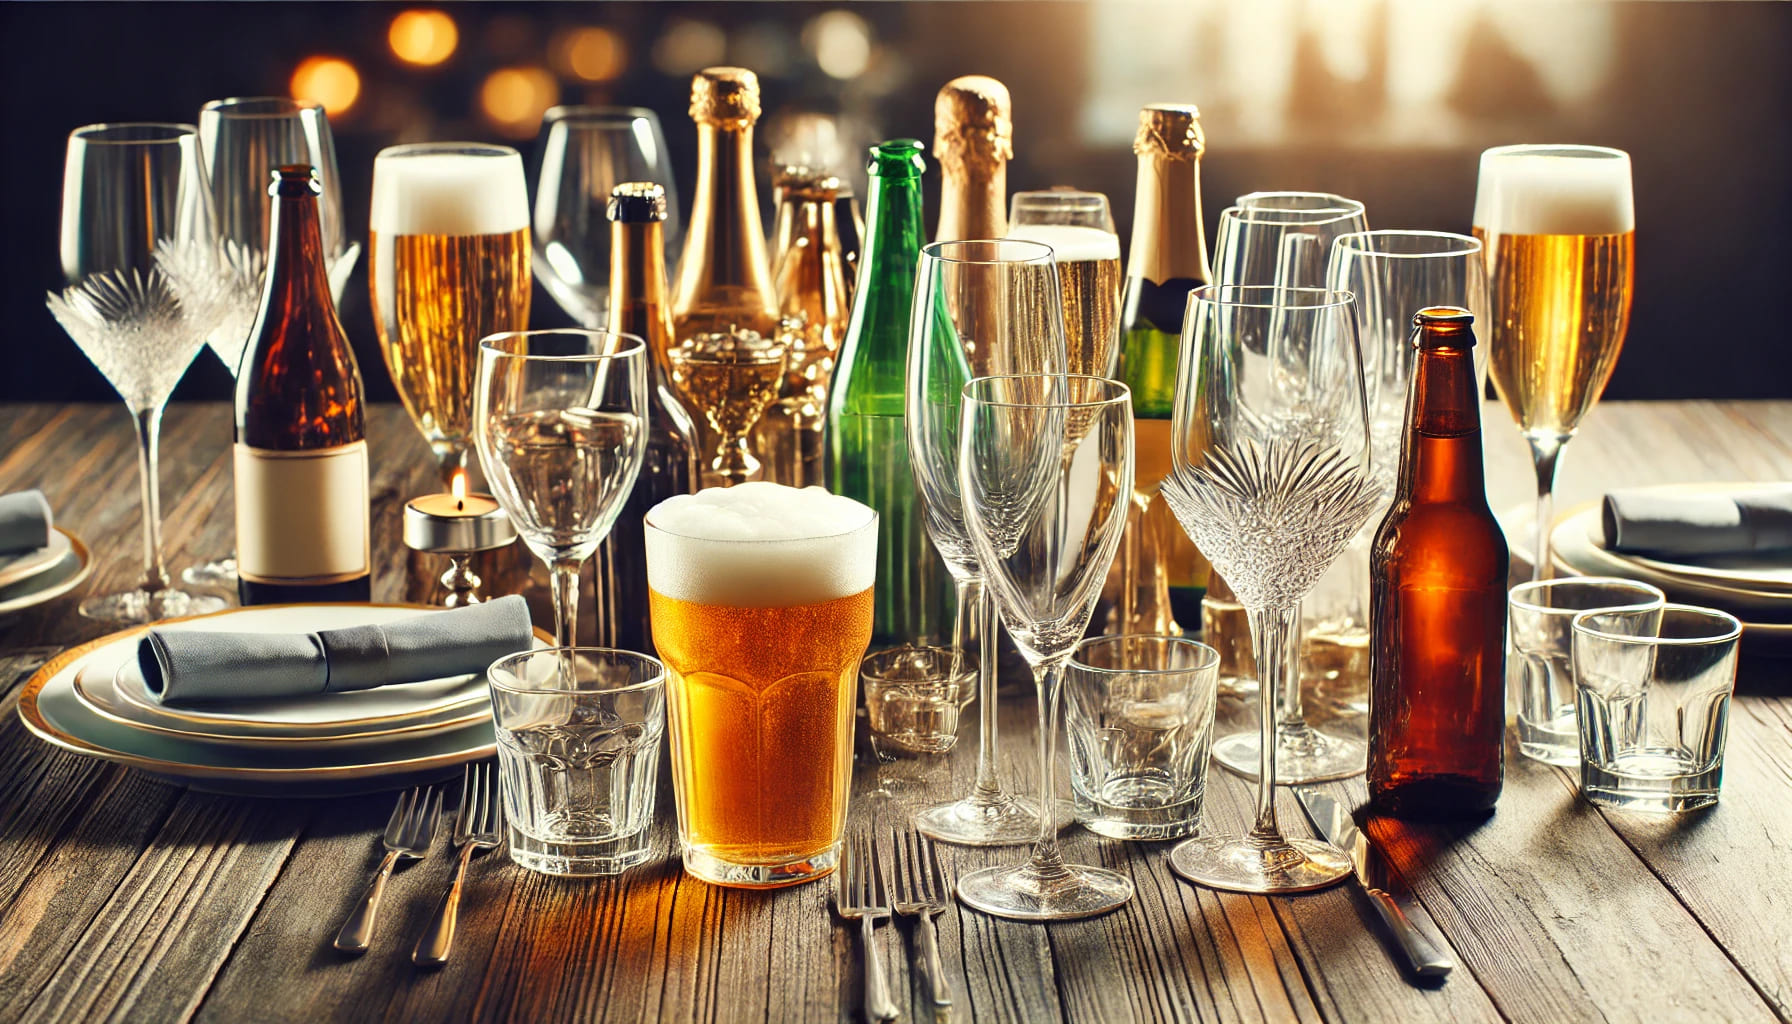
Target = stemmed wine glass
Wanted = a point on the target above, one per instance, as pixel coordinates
(560, 421)
(981, 308)
(243, 139)
(1272, 478)
(585, 153)
(1080, 229)
(135, 203)
(731, 378)
(1046, 466)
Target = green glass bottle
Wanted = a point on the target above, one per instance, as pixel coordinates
(867, 441)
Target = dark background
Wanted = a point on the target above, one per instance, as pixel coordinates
(1387, 101)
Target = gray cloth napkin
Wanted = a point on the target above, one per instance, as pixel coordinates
(25, 522)
(1675, 524)
(181, 666)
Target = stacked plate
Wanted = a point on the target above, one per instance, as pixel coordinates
(91, 699)
(34, 577)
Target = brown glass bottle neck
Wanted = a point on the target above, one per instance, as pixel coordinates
(296, 250)
(1169, 240)
(1442, 451)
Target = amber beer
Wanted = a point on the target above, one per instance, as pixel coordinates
(449, 264)
(762, 605)
(1437, 708)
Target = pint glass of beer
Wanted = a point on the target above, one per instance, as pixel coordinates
(761, 602)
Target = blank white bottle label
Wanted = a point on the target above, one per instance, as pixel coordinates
(302, 517)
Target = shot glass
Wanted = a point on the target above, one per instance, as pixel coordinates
(913, 696)
(579, 732)
(1654, 705)
(1140, 718)
(1540, 653)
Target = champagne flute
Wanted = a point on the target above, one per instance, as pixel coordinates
(585, 153)
(134, 203)
(1046, 466)
(560, 422)
(981, 308)
(1271, 480)
(1079, 227)
(243, 139)
(1559, 226)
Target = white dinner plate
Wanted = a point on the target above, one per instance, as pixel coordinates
(68, 572)
(26, 564)
(1577, 543)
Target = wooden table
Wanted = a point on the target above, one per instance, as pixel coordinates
(122, 897)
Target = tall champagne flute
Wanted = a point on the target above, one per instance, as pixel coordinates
(560, 421)
(1080, 229)
(585, 152)
(981, 308)
(1046, 467)
(134, 202)
(1271, 480)
(449, 255)
(1559, 226)
(243, 139)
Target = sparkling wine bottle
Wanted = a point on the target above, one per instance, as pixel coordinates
(973, 139)
(810, 271)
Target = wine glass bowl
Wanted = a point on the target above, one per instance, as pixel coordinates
(731, 378)
(1079, 227)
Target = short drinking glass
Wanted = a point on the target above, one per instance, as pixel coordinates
(913, 696)
(578, 756)
(1654, 705)
(1540, 635)
(1140, 715)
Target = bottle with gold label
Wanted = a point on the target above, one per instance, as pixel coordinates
(1162, 575)
(724, 278)
(302, 519)
(973, 140)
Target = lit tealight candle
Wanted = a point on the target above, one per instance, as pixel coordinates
(448, 524)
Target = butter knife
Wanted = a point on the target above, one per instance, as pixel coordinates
(1334, 822)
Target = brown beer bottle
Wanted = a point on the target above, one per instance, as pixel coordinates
(302, 520)
(1437, 706)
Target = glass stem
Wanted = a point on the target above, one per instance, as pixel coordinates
(1046, 862)
(149, 429)
(1291, 716)
(1270, 629)
(565, 571)
(1545, 451)
(975, 604)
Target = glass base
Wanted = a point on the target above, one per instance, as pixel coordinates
(1302, 755)
(1138, 808)
(706, 866)
(1023, 893)
(575, 859)
(1243, 864)
(1655, 781)
(149, 605)
(1553, 742)
(1005, 821)
(221, 574)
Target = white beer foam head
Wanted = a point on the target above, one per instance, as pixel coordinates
(449, 189)
(1555, 190)
(1071, 242)
(761, 545)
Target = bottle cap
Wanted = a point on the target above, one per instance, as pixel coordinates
(800, 182)
(726, 97)
(1444, 326)
(1171, 131)
(971, 126)
(637, 202)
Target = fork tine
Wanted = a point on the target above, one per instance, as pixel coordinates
(936, 874)
(877, 878)
(862, 855)
(463, 815)
(482, 824)
(901, 868)
(400, 813)
(917, 866)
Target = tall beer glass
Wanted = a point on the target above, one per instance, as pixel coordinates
(1559, 227)
(760, 596)
(449, 265)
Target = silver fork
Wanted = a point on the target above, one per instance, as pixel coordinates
(920, 893)
(408, 835)
(476, 827)
(859, 896)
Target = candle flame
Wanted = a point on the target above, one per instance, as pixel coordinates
(457, 484)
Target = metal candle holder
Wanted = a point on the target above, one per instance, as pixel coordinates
(458, 527)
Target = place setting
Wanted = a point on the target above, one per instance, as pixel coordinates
(39, 561)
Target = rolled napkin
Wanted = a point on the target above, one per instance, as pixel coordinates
(25, 522)
(1679, 524)
(180, 665)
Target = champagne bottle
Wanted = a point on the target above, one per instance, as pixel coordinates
(973, 139)
(302, 512)
(639, 306)
(867, 441)
(1168, 258)
(810, 275)
(850, 224)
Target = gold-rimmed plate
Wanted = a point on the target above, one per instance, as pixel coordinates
(26, 564)
(65, 574)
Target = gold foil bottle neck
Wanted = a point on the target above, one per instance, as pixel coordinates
(971, 126)
(1171, 131)
(725, 97)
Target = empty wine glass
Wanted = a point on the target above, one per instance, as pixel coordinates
(981, 308)
(1271, 480)
(134, 202)
(1046, 465)
(559, 418)
(585, 153)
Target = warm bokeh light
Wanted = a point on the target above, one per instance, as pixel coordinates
(330, 81)
(688, 46)
(514, 99)
(423, 37)
(591, 53)
(840, 42)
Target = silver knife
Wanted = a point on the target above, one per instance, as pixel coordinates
(1335, 823)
